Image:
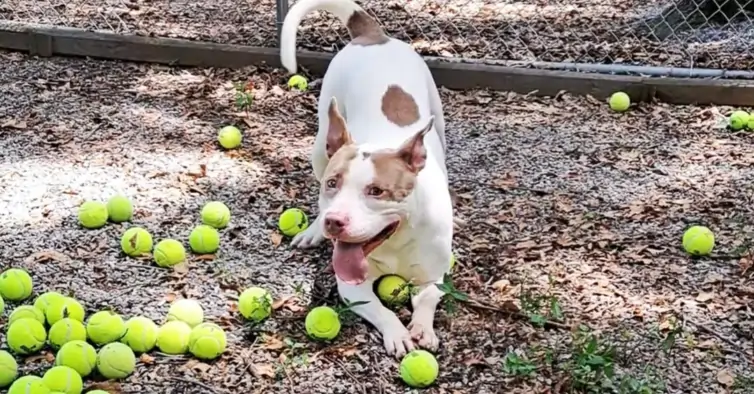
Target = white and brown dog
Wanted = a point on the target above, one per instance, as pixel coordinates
(379, 156)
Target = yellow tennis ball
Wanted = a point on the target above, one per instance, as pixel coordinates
(26, 336)
(15, 284)
(93, 214)
(64, 331)
(186, 310)
(293, 221)
(698, 241)
(141, 334)
(738, 120)
(8, 369)
(116, 361)
(63, 308)
(204, 239)
(215, 214)
(620, 102)
(207, 341)
(393, 289)
(452, 260)
(229, 137)
(26, 311)
(298, 82)
(136, 241)
(105, 327)
(322, 322)
(419, 368)
(173, 337)
(78, 355)
(255, 303)
(168, 253)
(46, 299)
(63, 379)
(119, 209)
(29, 385)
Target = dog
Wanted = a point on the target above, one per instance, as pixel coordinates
(379, 156)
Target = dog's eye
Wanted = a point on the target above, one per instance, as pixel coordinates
(375, 191)
(331, 183)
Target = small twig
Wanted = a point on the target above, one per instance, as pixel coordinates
(195, 382)
(355, 379)
(518, 314)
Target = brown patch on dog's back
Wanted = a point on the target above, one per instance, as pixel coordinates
(399, 107)
(364, 30)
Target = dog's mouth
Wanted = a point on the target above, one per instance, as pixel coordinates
(349, 259)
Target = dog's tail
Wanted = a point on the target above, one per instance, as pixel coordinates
(358, 22)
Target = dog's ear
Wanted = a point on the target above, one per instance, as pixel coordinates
(337, 133)
(413, 152)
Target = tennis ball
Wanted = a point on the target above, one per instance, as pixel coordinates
(15, 284)
(620, 102)
(63, 379)
(452, 260)
(738, 120)
(322, 322)
(105, 327)
(136, 241)
(419, 368)
(26, 336)
(141, 334)
(93, 214)
(207, 341)
(62, 308)
(116, 361)
(215, 214)
(293, 221)
(186, 310)
(29, 385)
(393, 289)
(169, 252)
(64, 331)
(78, 355)
(229, 137)
(119, 209)
(46, 299)
(298, 82)
(255, 303)
(698, 241)
(173, 337)
(26, 311)
(8, 369)
(204, 239)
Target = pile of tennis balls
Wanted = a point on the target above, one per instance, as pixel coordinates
(740, 120)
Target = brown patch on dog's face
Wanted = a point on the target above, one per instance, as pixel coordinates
(399, 107)
(337, 168)
(364, 30)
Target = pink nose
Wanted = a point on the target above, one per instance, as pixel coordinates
(335, 223)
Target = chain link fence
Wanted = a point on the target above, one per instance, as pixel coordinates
(714, 34)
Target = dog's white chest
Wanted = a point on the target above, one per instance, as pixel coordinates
(404, 266)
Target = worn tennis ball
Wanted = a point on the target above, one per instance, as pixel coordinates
(293, 221)
(63, 379)
(168, 253)
(29, 384)
(15, 284)
(298, 82)
(207, 341)
(698, 241)
(738, 120)
(255, 303)
(322, 322)
(119, 209)
(64, 331)
(141, 334)
(173, 337)
(393, 289)
(215, 214)
(186, 310)
(93, 214)
(26, 311)
(46, 299)
(62, 308)
(105, 327)
(204, 239)
(229, 137)
(78, 355)
(8, 369)
(419, 368)
(116, 361)
(136, 241)
(26, 336)
(620, 102)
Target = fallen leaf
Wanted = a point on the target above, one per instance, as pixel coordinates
(181, 268)
(263, 370)
(704, 296)
(272, 343)
(726, 377)
(146, 359)
(276, 238)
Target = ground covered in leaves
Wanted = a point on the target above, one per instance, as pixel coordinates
(570, 276)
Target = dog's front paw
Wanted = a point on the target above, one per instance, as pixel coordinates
(397, 341)
(310, 237)
(424, 335)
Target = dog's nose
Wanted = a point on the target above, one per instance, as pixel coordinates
(335, 224)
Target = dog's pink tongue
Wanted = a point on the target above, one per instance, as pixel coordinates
(349, 262)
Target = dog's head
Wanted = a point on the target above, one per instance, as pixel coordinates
(365, 193)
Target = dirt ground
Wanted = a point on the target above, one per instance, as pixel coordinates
(571, 259)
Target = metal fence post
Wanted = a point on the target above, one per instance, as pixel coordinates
(282, 10)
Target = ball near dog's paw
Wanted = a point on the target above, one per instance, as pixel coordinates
(136, 241)
(393, 289)
(64, 331)
(65, 307)
(204, 239)
(215, 214)
(419, 368)
(168, 253)
(173, 337)
(119, 209)
(293, 221)
(322, 322)
(698, 241)
(46, 299)
(229, 137)
(116, 361)
(93, 214)
(738, 120)
(255, 303)
(15, 284)
(78, 355)
(8, 369)
(207, 341)
(186, 310)
(105, 327)
(26, 311)
(620, 102)
(63, 379)
(141, 334)
(29, 384)
(452, 260)
(298, 82)
(26, 336)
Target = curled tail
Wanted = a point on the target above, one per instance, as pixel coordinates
(362, 28)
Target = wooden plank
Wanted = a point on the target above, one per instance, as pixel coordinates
(47, 41)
